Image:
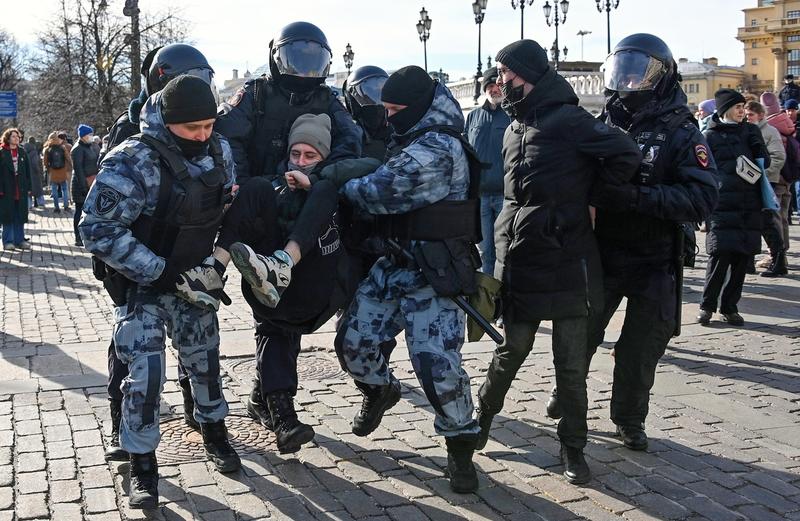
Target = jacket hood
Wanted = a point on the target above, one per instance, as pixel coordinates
(444, 110)
(783, 123)
(552, 89)
(152, 122)
(717, 124)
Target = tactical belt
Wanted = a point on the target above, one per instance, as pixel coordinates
(443, 220)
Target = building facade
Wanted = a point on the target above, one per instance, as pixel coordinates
(702, 79)
(771, 38)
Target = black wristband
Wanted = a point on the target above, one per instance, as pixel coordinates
(167, 280)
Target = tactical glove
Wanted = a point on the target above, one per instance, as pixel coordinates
(203, 285)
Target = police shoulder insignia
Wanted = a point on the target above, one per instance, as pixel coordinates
(236, 98)
(701, 153)
(107, 200)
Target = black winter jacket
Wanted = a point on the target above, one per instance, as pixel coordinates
(735, 225)
(546, 251)
(84, 165)
(790, 91)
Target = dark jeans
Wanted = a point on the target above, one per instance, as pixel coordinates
(118, 370)
(276, 360)
(772, 231)
(76, 219)
(642, 342)
(570, 339)
(491, 205)
(716, 275)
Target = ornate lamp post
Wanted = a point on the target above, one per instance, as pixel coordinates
(348, 58)
(521, 5)
(557, 19)
(610, 4)
(554, 52)
(479, 9)
(424, 30)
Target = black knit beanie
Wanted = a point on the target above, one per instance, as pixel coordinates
(187, 98)
(727, 98)
(525, 58)
(408, 86)
(489, 77)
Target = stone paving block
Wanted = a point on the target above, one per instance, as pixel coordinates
(760, 513)
(90, 456)
(87, 438)
(61, 469)
(68, 491)
(296, 475)
(30, 462)
(661, 506)
(178, 512)
(83, 422)
(665, 487)
(406, 513)
(358, 471)
(97, 477)
(57, 433)
(26, 412)
(290, 508)
(66, 512)
(358, 503)
(410, 485)
(27, 427)
(232, 483)
(33, 443)
(99, 500)
(762, 496)
(60, 449)
(772, 483)
(6, 475)
(479, 511)
(333, 479)
(207, 499)
(501, 500)
(31, 506)
(709, 509)
(721, 495)
(31, 482)
(6, 498)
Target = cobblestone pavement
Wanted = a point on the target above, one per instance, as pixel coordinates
(724, 424)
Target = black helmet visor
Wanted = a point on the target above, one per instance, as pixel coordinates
(368, 92)
(631, 71)
(303, 58)
(207, 75)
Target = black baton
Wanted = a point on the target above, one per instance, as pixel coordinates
(459, 300)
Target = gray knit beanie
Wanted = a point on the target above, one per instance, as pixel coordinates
(314, 130)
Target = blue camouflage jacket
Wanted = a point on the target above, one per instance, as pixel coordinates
(127, 187)
(430, 168)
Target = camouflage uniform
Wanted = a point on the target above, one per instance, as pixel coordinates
(127, 187)
(431, 168)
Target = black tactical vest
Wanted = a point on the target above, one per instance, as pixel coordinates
(275, 114)
(189, 210)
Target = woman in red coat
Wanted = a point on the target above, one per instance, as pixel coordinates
(15, 183)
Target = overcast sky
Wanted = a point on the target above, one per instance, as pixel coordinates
(236, 33)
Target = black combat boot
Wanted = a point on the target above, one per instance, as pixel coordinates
(290, 432)
(377, 400)
(257, 409)
(463, 477)
(188, 404)
(779, 266)
(218, 448)
(143, 481)
(485, 422)
(553, 408)
(633, 436)
(576, 470)
(115, 452)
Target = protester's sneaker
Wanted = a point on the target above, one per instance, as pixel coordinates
(704, 317)
(377, 400)
(734, 319)
(269, 276)
(8, 246)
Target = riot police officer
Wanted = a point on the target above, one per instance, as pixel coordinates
(257, 119)
(362, 97)
(151, 217)
(160, 66)
(637, 223)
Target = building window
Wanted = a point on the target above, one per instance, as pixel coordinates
(755, 45)
(794, 55)
(793, 69)
(754, 61)
(792, 14)
(753, 22)
(793, 38)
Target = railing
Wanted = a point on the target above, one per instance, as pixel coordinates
(586, 84)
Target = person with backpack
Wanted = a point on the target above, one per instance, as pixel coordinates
(151, 218)
(58, 164)
(781, 184)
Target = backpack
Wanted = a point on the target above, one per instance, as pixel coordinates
(56, 157)
(791, 168)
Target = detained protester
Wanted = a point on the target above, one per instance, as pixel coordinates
(554, 151)
(734, 233)
(638, 224)
(160, 66)
(256, 120)
(151, 217)
(428, 214)
(484, 130)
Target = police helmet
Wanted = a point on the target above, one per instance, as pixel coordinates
(364, 87)
(639, 63)
(301, 49)
(171, 61)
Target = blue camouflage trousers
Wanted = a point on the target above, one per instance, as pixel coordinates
(392, 300)
(140, 331)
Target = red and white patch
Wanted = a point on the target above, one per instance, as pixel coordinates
(236, 98)
(701, 153)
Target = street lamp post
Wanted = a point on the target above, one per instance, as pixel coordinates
(610, 4)
(348, 58)
(479, 9)
(557, 19)
(424, 30)
(132, 9)
(521, 5)
(583, 33)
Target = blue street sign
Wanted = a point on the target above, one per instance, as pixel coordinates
(8, 104)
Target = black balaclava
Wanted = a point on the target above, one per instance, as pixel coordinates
(183, 100)
(410, 86)
(373, 119)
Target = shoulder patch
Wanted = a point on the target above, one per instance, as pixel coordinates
(107, 200)
(701, 154)
(236, 98)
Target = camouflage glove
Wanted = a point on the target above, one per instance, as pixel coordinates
(203, 285)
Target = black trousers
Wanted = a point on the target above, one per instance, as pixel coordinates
(772, 231)
(276, 360)
(642, 342)
(719, 281)
(570, 340)
(76, 219)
